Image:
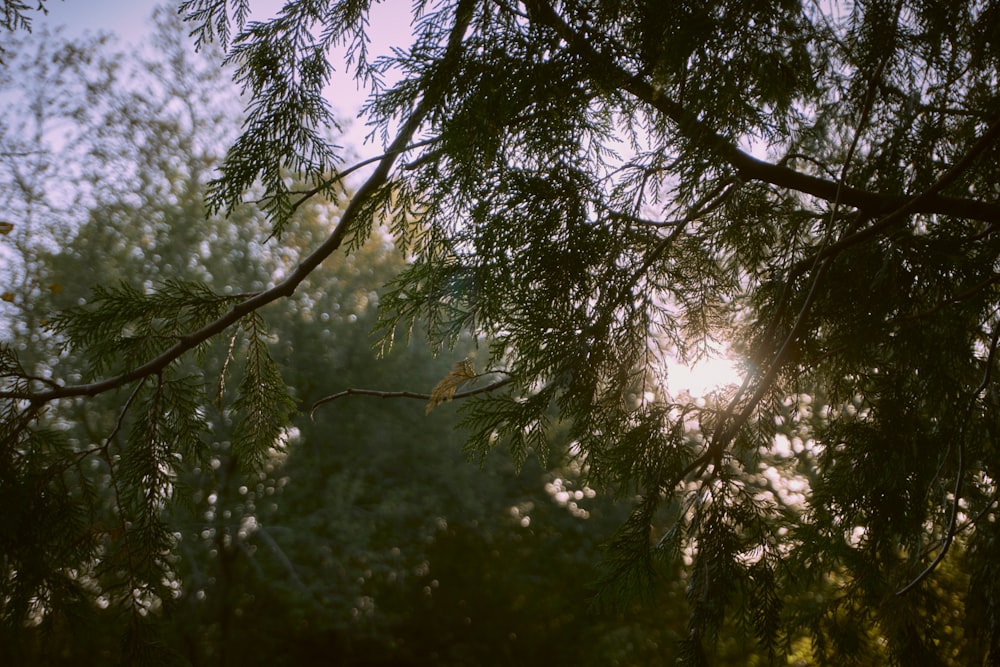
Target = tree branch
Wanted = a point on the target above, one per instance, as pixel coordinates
(286, 287)
(341, 175)
(914, 204)
(751, 168)
(405, 394)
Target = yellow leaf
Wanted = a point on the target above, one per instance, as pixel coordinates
(8, 297)
(6, 227)
(444, 391)
(55, 288)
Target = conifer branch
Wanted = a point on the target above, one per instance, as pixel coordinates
(915, 204)
(892, 208)
(949, 536)
(355, 208)
(750, 168)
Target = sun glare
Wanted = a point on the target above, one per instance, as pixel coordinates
(703, 377)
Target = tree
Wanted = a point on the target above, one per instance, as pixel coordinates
(589, 187)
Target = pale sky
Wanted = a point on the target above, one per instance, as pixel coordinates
(130, 20)
(125, 17)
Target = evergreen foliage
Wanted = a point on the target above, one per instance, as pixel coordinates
(590, 187)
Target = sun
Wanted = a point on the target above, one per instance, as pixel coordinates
(703, 377)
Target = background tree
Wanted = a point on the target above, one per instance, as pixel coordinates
(589, 186)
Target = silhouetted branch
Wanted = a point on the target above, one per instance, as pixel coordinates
(893, 206)
(405, 394)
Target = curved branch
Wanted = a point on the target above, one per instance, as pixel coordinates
(915, 204)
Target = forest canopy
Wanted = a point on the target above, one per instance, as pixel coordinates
(580, 191)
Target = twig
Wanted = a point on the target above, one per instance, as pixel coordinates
(341, 175)
(47, 382)
(103, 448)
(124, 411)
(808, 158)
(958, 298)
(405, 394)
(275, 548)
(979, 515)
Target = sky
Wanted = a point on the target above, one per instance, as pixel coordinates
(130, 21)
(121, 16)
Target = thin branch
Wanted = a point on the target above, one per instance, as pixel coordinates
(103, 448)
(47, 382)
(958, 298)
(707, 204)
(22, 419)
(121, 415)
(275, 548)
(341, 175)
(405, 394)
(972, 521)
(808, 158)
